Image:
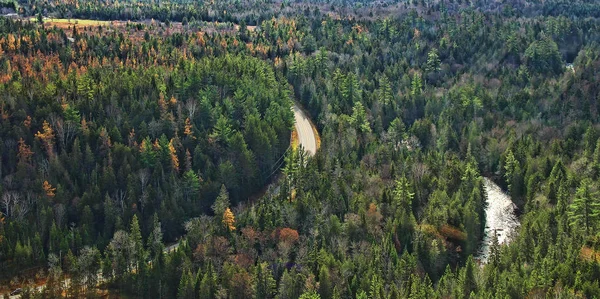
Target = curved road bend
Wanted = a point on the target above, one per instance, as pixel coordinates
(306, 135)
(306, 138)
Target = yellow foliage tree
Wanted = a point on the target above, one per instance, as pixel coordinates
(229, 219)
(187, 131)
(173, 101)
(11, 42)
(47, 138)
(50, 191)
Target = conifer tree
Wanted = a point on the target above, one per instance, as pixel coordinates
(584, 212)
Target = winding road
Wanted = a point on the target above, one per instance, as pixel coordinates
(306, 135)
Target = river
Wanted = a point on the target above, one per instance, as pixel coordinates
(500, 218)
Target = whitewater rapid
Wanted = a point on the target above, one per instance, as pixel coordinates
(500, 218)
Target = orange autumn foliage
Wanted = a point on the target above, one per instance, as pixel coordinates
(173, 101)
(174, 159)
(187, 131)
(50, 191)
(47, 138)
(25, 153)
(452, 232)
(288, 235)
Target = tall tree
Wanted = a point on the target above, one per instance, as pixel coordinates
(585, 209)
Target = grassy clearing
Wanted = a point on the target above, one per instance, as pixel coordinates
(72, 22)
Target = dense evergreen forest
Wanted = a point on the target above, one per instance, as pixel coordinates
(168, 125)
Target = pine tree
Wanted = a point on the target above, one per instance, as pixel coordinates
(433, 61)
(155, 239)
(222, 201)
(375, 288)
(325, 285)
(208, 285)
(359, 118)
(310, 295)
(467, 277)
(186, 286)
(403, 195)
(494, 255)
(265, 284)
(589, 141)
(396, 130)
(135, 237)
(190, 185)
(147, 153)
(416, 85)
(585, 209)
(222, 130)
(361, 295)
(385, 91)
(290, 285)
(596, 160)
(510, 165)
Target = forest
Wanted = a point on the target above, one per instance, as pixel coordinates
(148, 148)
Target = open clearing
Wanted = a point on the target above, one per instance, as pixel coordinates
(75, 22)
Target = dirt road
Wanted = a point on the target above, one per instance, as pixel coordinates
(306, 135)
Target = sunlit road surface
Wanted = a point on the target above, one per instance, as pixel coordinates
(306, 136)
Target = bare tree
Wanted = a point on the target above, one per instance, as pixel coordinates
(9, 144)
(9, 182)
(9, 201)
(419, 171)
(119, 197)
(88, 263)
(10, 101)
(23, 205)
(114, 113)
(54, 284)
(44, 168)
(120, 246)
(191, 106)
(30, 93)
(65, 130)
(155, 128)
(144, 176)
(59, 213)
